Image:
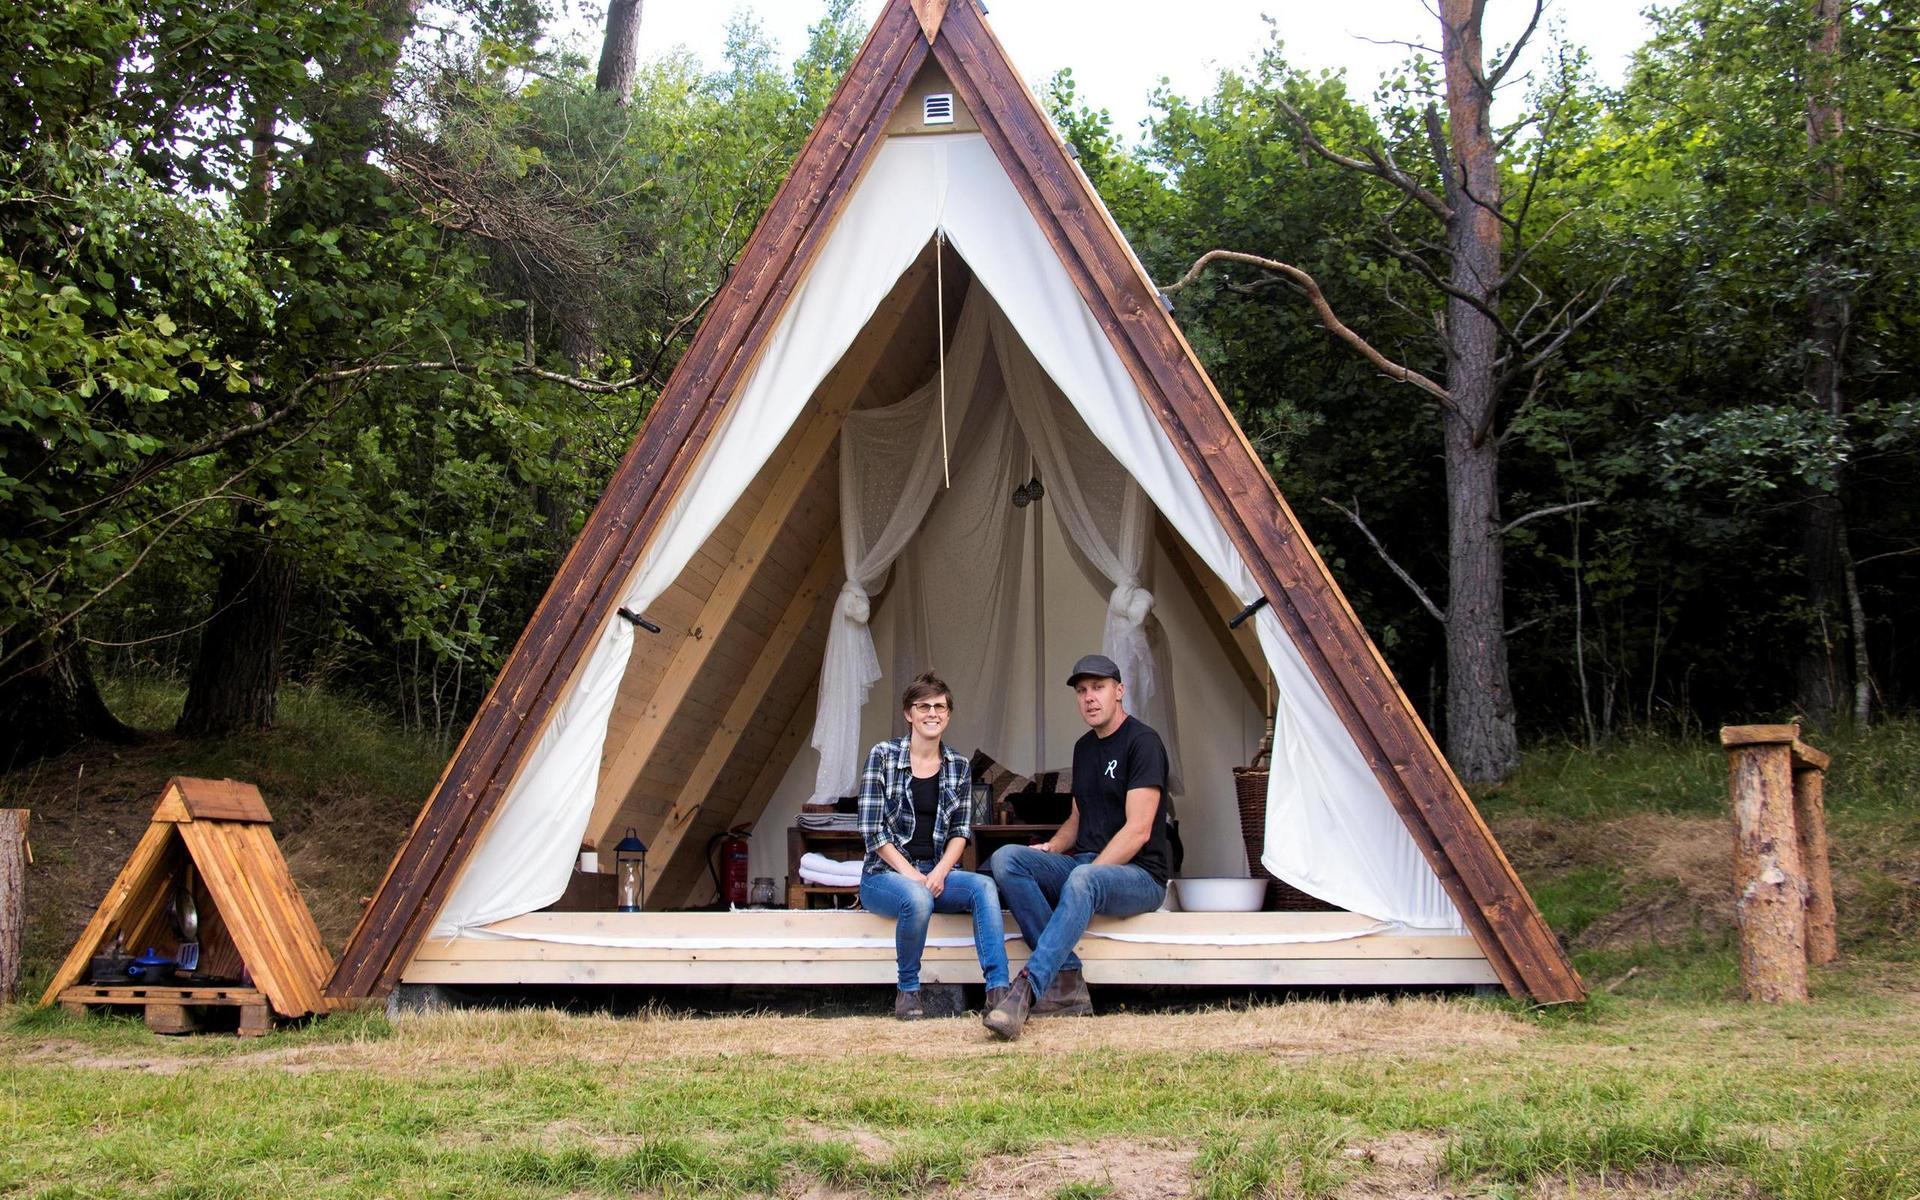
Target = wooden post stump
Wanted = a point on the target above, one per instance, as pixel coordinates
(1810, 821)
(13, 896)
(1769, 895)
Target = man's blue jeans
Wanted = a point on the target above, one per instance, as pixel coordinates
(892, 894)
(1053, 896)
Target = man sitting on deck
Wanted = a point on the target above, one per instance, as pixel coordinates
(1111, 856)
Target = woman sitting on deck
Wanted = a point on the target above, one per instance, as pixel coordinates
(916, 800)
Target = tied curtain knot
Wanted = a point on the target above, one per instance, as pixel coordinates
(855, 604)
(1131, 603)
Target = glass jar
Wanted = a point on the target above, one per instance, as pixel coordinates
(760, 893)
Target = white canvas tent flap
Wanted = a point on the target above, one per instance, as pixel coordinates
(1331, 829)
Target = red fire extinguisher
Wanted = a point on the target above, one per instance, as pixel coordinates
(730, 866)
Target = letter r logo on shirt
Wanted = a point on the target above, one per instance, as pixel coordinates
(1111, 766)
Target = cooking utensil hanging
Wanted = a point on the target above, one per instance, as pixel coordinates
(186, 919)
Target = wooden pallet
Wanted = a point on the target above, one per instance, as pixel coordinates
(170, 1009)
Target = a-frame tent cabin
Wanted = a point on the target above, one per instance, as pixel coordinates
(936, 300)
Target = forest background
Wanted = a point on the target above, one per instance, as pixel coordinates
(322, 326)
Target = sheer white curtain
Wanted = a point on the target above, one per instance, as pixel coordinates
(1109, 523)
(957, 593)
(891, 469)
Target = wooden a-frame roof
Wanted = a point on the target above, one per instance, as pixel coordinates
(1423, 789)
(256, 911)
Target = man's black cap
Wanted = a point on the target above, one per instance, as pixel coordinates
(1096, 665)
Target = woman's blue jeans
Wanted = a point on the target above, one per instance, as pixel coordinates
(892, 894)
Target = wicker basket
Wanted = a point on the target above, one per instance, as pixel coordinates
(1250, 789)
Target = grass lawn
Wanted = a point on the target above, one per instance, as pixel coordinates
(1410, 1097)
(1665, 1084)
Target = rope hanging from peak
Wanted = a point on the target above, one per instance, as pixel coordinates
(940, 340)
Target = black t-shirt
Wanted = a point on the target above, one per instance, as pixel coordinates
(926, 805)
(1104, 770)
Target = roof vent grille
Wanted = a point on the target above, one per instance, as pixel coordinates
(937, 109)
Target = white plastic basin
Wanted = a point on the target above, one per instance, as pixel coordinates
(1221, 894)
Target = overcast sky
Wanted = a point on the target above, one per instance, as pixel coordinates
(1120, 49)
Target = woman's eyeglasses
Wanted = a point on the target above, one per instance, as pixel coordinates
(924, 709)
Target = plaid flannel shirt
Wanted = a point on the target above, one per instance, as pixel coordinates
(886, 800)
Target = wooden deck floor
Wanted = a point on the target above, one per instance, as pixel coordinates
(784, 946)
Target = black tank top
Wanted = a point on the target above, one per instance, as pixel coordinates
(926, 805)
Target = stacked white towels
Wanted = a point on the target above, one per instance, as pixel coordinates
(829, 872)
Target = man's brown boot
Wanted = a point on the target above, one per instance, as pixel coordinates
(907, 1006)
(1007, 1018)
(1066, 996)
(994, 996)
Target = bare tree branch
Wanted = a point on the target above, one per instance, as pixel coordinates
(1493, 411)
(1465, 297)
(1423, 48)
(1566, 332)
(1305, 282)
(1437, 147)
(1378, 168)
(1420, 593)
(1911, 135)
(1537, 513)
(1513, 55)
(1861, 562)
(1526, 251)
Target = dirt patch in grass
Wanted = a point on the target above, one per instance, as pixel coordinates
(1114, 1168)
(89, 1058)
(1400, 1166)
(1675, 872)
(1406, 1166)
(1299, 1029)
(864, 1141)
(483, 1038)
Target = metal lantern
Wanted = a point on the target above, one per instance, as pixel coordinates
(630, 871)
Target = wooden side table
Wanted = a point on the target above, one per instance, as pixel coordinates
(843, 844)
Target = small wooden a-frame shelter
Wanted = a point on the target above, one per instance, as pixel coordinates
(255, 933)
(934, 180)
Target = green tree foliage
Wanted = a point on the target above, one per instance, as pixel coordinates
(1696, 184)
(318, 284)
(273, 288)
(1681, 407)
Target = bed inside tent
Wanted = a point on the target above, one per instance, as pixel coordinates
(855, 520)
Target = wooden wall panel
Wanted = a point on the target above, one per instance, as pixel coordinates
(737, 649)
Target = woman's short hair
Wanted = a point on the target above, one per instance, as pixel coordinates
(925, 686)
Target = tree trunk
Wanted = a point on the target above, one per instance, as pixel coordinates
(1820, 675)
(1481, 740)
(620, 51)
(49, 700)
(346, 105)
(236, 677)
(13, 897)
